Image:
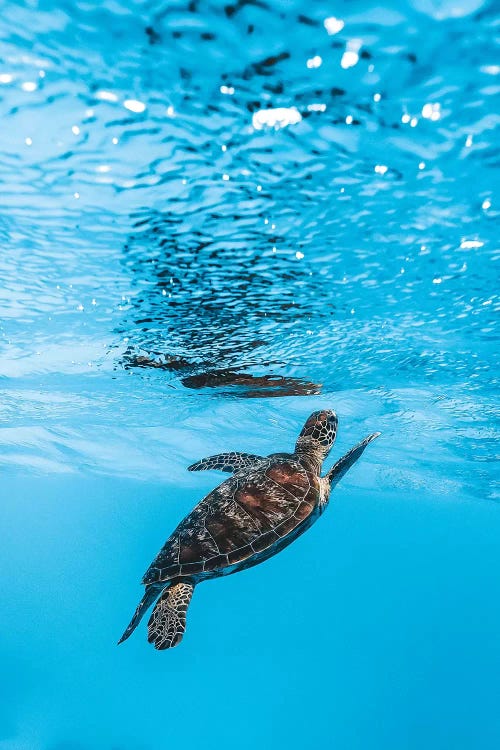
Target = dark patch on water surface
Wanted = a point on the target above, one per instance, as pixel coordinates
(212, 304)
(243, 384)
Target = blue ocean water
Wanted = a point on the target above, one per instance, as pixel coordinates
(217, 218)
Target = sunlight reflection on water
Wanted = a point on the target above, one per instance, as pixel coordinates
(276, 219)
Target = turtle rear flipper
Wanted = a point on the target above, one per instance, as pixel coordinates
(149, 596)
(228, 462)
(343, 465)
(168, 620)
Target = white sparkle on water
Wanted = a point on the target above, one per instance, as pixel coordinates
(431, 111)
(106, 96)
(75, 130)
(134, 105)
(314, 62)
(29, 86)
(471, 244)
(277, 118)
(349, 59)
(333, 25)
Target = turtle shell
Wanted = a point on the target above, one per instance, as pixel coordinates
(244, 520)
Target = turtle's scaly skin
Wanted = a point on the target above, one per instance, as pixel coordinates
(229, 462)
(167, 623)
(239, 521)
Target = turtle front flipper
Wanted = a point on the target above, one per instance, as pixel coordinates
(343, 465)
(168, 620)
(228, 462)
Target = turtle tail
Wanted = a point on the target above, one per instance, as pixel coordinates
(150, 595)
(168, 620)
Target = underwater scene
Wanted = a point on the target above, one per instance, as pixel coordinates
(219, 218)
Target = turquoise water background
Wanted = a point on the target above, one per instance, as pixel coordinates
(186, 270)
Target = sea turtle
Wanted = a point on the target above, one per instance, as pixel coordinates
(266, 504)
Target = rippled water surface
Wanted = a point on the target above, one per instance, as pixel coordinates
(216, 219)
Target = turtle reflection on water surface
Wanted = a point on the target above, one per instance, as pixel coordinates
(266, 504)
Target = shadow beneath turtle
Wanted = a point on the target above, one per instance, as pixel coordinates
(245, 385)
(214, 311)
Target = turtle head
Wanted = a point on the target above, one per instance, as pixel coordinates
(318, 435)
